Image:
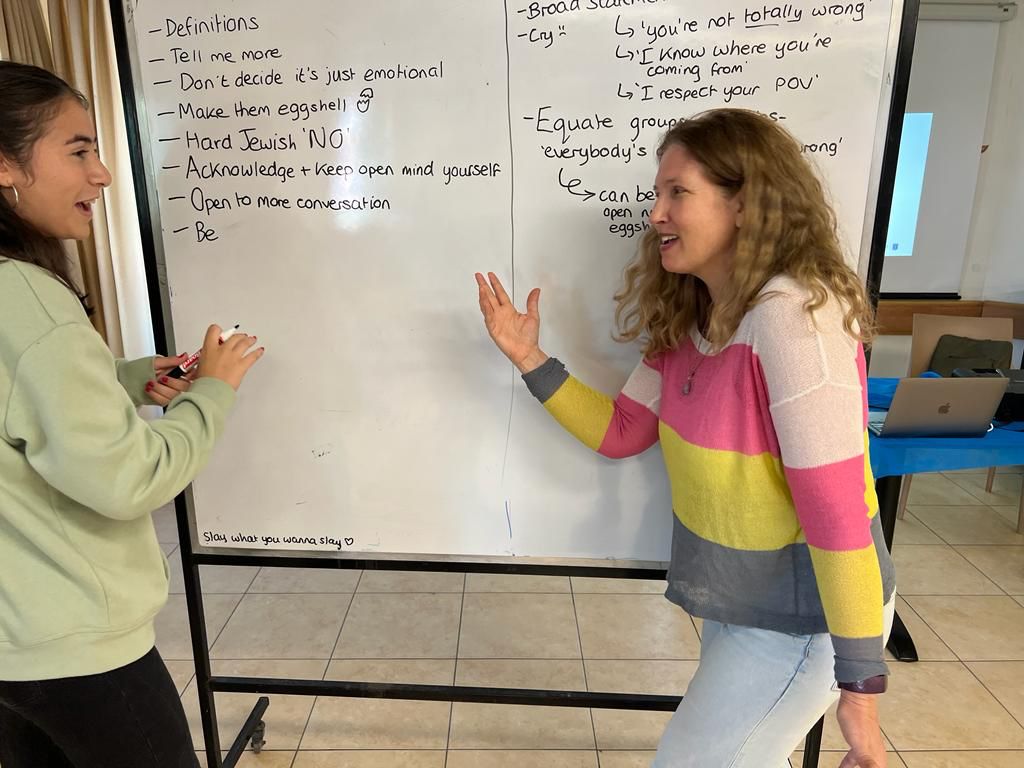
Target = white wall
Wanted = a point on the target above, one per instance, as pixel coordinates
(994, 267)
(956, 91)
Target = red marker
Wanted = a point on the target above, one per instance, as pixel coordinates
(183, 367)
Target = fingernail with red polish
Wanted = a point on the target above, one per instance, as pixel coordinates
(149, 385)
(163, 379)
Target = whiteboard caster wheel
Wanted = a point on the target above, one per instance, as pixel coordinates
(257, 740)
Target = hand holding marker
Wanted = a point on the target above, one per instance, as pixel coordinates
(226, 355)
(192, 359)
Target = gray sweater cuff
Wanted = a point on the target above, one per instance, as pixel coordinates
(852, 670)
(545, 380)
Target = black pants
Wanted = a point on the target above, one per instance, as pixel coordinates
(126, 718)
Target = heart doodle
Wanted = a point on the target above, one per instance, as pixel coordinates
(349, 542)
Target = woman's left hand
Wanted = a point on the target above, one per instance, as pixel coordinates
(858, 720)
(162, 389)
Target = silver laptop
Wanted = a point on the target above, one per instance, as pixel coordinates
(940, 408)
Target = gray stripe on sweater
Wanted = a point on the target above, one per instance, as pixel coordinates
(774, 589)
(545, 380)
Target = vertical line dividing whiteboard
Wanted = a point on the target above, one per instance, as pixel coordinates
(331, 174)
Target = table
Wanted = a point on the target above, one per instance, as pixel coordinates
(893, 457)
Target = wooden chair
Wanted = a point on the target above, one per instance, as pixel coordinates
(925, 335)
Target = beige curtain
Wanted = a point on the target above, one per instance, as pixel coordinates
(23, 35)
(74, 52)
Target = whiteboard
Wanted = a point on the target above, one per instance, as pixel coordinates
(331, 174)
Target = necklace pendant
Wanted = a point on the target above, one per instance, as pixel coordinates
(687, 386)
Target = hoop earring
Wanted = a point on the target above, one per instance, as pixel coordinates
(17, 197)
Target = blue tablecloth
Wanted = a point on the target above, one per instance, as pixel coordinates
(910, 455)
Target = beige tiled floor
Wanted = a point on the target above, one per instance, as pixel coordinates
(961, 577)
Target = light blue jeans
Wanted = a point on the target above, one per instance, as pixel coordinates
(754, 697)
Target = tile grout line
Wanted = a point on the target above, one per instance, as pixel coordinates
(955, 594)
(991, 693)
(962, 662)
(955, 547)
(988, 578)
(934, 532)
(583, 664)
(980, 503)
(983, 501)
(209, 649)
(352, 599)
(468, 658)
(252, 581)
(309, 717)
(579, 635)
(455, 671)
(930, 627)
(966, 490)
(294, 757)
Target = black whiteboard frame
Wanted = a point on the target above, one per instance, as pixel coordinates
(192, 558)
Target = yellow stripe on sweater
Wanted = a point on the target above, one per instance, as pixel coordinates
(583, 412)
(729, 498)
(850, 585)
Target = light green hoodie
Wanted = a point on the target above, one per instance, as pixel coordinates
(81, 573)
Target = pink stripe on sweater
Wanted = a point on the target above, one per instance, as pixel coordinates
(727, 404)
(633, 429)
(830, 504)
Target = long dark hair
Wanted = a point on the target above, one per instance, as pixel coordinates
(30, 98)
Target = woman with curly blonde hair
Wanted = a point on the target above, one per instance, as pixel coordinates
(753, 381)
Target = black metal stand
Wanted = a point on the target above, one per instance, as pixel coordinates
(254, 729)
(812, 744)
(253, 732)
(901, 644)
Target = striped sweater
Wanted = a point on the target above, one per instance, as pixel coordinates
(776, 521)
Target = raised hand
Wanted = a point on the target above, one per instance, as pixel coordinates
(516, 334)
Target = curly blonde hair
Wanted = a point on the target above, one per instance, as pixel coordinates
(788, 228)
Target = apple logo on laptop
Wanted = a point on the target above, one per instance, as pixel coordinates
(944, 409)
